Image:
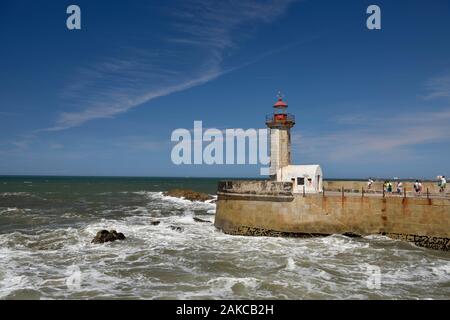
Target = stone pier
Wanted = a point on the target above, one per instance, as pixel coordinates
(270, 208)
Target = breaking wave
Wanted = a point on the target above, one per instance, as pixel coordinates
(183, 259)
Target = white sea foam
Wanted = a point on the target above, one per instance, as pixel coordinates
(12, 283)
(9, 194)
(199, 261)
(177, 203)
(290, 266)
(8, 209)
(13, 211)
(228, 283)
(376, 237)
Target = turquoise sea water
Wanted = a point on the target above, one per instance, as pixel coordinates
(47, 223)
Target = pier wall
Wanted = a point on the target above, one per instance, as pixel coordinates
(377, 186)
(426, 222)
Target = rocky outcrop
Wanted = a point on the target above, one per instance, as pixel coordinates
(201, 220)
(177, 228)
(108, 236)
(155, 222)
(262, 232)
(436, 243)
(188, 195)
(352, 235)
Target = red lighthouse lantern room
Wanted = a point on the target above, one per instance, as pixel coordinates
(280, 118)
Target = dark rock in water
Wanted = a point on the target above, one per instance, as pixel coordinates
(108, 236)
(120, 236)
(176, 228)
(351, 235)
(201, 220)
(155, 222)
(188, 194)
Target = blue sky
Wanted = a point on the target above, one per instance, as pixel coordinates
(104, 100)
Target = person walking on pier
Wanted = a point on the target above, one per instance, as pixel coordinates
(369, 184)
(418, 187)
(399, 187)
(388, 186)
(442, 184)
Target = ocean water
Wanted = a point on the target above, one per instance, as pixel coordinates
(47, 224)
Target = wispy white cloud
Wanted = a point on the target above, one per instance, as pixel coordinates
(204, 31)
(22, 142)
(17, 145)
(364, 136)
(114, 103)
(438, 87)
(398, 134)
(351, 119)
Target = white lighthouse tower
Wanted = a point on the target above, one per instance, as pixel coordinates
(279, 124)
(305, 178)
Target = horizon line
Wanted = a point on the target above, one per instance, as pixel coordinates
(198, 177)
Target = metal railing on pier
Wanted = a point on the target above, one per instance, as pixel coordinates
(280, 118)
(404, 193)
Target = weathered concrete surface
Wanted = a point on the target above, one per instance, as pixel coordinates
(426, 222)
(188, 195)
(256, 187)
(280, 149)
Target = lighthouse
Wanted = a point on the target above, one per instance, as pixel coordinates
(279, 123)
(304, 178)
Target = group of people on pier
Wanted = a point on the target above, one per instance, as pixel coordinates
(418, 187)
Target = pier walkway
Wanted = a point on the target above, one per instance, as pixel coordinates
(365, 193)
